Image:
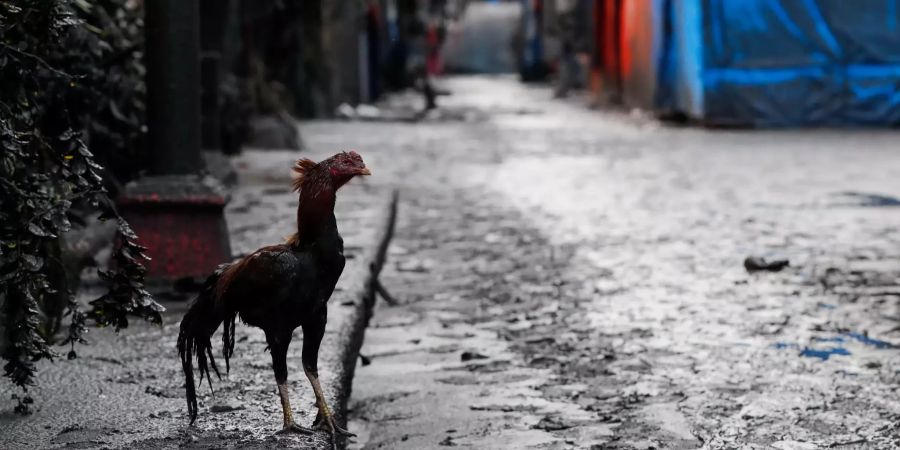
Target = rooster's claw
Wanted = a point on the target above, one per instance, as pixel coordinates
(342, 432)
(327, 423)
(294, 428)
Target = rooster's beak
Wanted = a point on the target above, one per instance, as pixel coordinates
(364, 171)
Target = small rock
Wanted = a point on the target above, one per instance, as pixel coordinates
(155, 391)
(70, 428)
(225, 407)
(368, 112)
(108, 359)
(415, 265)
(345, 111)
(161, 415)
(468, 356)
(550, 423)
(756, 263)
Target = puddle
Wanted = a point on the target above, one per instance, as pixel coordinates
(864, 199)
(824, 354)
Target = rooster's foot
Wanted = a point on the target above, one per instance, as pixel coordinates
(294, 428)
(327, 423)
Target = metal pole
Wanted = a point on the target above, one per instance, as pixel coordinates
(213, 14)
(172, 31)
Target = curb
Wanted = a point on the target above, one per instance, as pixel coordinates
(359, 300)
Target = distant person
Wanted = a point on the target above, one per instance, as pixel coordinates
(569, 18)
(431, 40)
(432, 63)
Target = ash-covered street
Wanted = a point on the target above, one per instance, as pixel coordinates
(563, 277)
(419, 224)
(569, 278)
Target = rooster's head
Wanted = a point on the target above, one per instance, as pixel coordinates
(332, 173)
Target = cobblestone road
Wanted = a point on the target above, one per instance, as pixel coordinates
(573, 279)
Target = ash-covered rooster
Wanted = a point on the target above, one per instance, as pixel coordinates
(278, 288)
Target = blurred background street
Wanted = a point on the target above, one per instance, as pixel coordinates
(608, 224)
(573, 278)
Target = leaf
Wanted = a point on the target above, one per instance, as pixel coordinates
(114, 110)
(87, 76)
(37, 230)
(78, 166)
(33, 263)
(9, 167)
(126, 230)
(4, 278)
(67, 135)
(61, 222)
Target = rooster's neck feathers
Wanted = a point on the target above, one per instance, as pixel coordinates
(299, 173)
(317, 198)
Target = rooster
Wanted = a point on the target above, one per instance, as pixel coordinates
(278, 288)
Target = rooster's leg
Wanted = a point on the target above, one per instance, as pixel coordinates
(279, 348)
(312, 337)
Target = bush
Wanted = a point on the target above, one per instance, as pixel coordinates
(55, 84)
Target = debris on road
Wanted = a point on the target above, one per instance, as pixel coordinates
(226, 407)
(552, 423)
(468, 356)
(757, 264)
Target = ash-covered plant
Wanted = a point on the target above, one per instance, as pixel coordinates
(105, 50)
(46, 168)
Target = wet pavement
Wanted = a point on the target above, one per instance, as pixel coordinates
(571, 278)
(565, 278)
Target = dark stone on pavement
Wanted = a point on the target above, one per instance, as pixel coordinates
(550, 423)
(756, 264)
(225, 407)
(468, 356)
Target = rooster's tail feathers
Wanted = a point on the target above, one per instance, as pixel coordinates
(228, 339)
(198, 325)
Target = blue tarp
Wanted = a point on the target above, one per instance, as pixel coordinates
(784, 62)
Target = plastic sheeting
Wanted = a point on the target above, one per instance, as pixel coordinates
(783, 62)
(641, 52)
